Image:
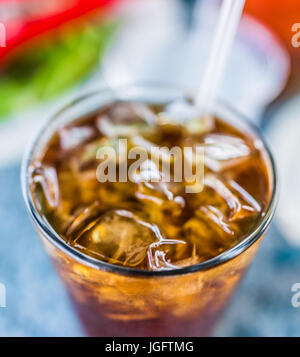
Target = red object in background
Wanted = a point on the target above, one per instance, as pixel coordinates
(279, 15)
(26, 19)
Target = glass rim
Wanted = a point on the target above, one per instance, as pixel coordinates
(54, 238)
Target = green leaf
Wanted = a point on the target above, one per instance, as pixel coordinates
(53, 66)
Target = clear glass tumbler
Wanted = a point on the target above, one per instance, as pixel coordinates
(119, 301)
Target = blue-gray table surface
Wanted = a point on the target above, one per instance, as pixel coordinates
(37, 304)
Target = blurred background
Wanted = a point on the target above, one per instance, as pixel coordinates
(51, 52)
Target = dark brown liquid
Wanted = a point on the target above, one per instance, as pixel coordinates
(147, 225)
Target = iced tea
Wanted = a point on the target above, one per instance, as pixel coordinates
(142, 256)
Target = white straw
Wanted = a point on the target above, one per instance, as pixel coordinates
(230, 14)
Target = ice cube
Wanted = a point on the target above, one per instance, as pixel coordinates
(207, 237)
(253, 205)
(82, 219)
(151, 187)
(183, 112)
(238, 201)
(188, 257)
(74, 136)
(160, 200)
(46, 177)
(148, 172)
(126, 113)
(158, 254)
(224, 192)
(187, 262)
(180, 111)
(157, 261)
(119, 237)
(216, 217)
(126, 119)
(157, 153)
(224, 151)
